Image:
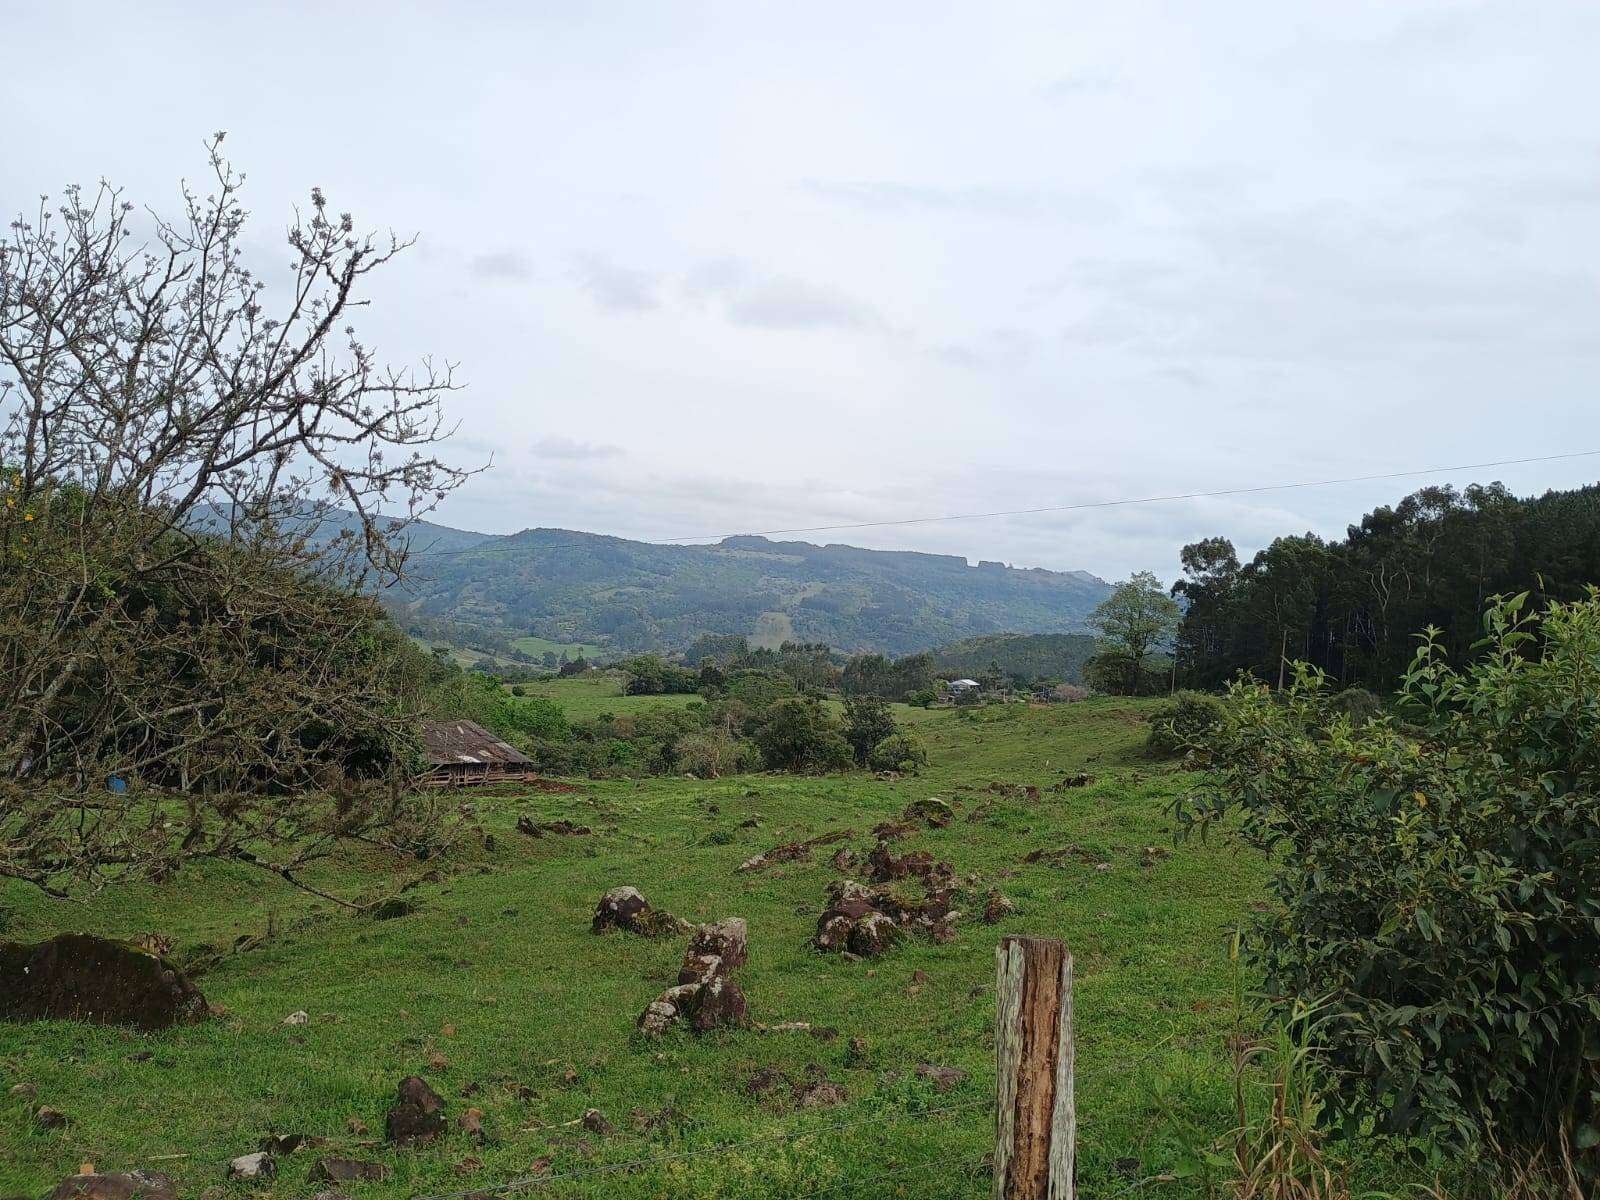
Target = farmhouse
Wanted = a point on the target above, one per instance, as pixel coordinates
(464, 752)
(963, 685)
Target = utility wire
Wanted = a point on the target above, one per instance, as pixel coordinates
(1080, 506)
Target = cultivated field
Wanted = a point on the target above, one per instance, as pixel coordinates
(496, 992)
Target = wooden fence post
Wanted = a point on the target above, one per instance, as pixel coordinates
(1036, 1126)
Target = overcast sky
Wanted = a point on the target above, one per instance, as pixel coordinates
(710, 268)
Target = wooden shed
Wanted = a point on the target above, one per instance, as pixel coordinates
(463, 752)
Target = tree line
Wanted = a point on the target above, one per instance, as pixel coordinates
(1354, 607)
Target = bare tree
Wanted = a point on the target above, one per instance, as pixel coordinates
(194, 495)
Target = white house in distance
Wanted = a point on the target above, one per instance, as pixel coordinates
(963, 685)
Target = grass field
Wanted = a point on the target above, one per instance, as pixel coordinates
(496, 991)
(584, 696)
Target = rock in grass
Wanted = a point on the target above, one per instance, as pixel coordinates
(77, 977)
(821, 1094)
(715, 950)
(944, 1079)
(936, 812)
(705, 998)
(998, 907)
(127, 1185)
(259, 1166)
(417, 1115)
(50, 1118)
(347, 1170)
(626, 908)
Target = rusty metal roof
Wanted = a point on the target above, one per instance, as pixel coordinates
(452, 742)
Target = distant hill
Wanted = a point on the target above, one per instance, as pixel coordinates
(1031, 655)
(624, 595)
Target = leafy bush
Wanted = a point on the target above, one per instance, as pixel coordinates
(1184, 722)
(1440, 893)
(867, 722)
(710, 753)
(898, 752)
(799, 735)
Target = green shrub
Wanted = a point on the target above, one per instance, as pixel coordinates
(1439, 894)
(1184, 722)
(798, 734)
(898, 752)
(710, 753)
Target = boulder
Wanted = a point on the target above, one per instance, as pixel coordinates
(705, 998)
(626, 908)
(347, 1170)
(126, 1185)
(715, 950)
(78, 977)
(873, 934)
(417, 1114)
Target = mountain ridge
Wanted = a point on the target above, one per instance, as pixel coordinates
(573, 586)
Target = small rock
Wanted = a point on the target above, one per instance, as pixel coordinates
(259, 1165)
(626, 908)
(347, 1170)
(24, 1091)
(471, 1123)
(595, 1122)
(998, 907)
(766, 1079)
(821, 1094)
(50, 1118)
(143, 1185)
(298, 1018)
(919, 976)
(356, 1126)
(857, 1051)
(944, 1079)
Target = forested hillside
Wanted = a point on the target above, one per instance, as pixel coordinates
(1354, 607)
(629, 596)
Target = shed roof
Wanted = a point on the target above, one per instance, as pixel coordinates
(451, 742)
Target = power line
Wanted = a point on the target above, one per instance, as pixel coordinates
(1079, 506)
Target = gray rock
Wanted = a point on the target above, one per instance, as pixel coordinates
(259, 1165)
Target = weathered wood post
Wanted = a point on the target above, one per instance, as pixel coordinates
(1036, 1127)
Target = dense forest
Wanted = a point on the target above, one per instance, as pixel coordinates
(1354, 607)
